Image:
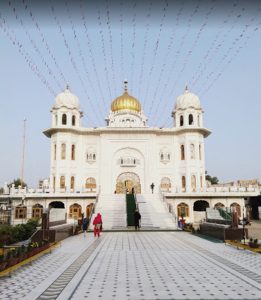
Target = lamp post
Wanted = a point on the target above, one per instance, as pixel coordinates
(244, 236)
(45, 224)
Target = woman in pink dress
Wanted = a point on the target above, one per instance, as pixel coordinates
(97, 223)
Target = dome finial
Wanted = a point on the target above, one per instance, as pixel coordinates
(186, 88)
(126, 86)
(67, 86)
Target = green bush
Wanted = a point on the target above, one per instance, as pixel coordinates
(18, 233)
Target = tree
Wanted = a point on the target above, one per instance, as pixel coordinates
(17, 182)
(212, 180)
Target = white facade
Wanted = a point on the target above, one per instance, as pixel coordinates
(87, 164)
(127, 146)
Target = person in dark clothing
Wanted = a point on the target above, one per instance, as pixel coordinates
(85, 225)
(137, 218)
(152, 187)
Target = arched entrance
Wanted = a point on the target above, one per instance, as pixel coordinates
(126, 182)
(200, 205)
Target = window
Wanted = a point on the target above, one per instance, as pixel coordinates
(62, 182)
(72, 183)
(73, 153)
(181, 121)
(192, 151)
(64, 119)
(165, 184)
(190, 119)
(63, 151)
(183, 183)
(20, 212)
(56, 120)
(128, 161)
(90, 183)
(198, 121)
(91, 155)
(54, 183)
(183, 210)
(75, 211)
(201, 181)
(73, 120)
(182, 152)
(193, 183)
(54, 152)
(199, 150)
(37, 211)
(164, 156)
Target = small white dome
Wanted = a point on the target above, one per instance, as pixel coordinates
(186, 100)
(66, 99)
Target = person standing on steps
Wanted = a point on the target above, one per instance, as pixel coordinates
(137, 218)
(152, 187)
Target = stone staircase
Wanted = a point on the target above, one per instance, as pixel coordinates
(112, 207)
(213, 214)
(154, 213)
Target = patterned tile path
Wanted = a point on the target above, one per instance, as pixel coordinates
(138, 265)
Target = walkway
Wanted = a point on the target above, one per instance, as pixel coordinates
(138, 265)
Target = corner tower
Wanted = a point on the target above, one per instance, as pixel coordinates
(188, 123)
(66, 111)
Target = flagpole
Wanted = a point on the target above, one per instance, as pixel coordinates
(23, 154)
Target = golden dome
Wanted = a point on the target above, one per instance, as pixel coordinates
(125, 101)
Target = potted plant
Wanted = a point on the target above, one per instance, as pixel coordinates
(253, 243)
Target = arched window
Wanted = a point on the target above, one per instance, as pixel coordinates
(192, 151)
(91, 155)
(56, 120)
(37, 211)
(73, 120)
(182, 152)
(90, 183)
(54, 151)
(161, 156)
(190, 119)
(193, 183)
(73, 153)
(199, 152)
(219, 205)
(165, 184)
(181, 121)
(183, 210)
(75, 211)
(20, 212)
(201, 181)
(183, 183)
(72, 183)
(64, 119)
(62, 182)
(198, 120)
(63, 151)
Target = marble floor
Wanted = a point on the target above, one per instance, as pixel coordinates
(138, 265)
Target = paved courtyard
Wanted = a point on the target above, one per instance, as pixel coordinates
(138, 265)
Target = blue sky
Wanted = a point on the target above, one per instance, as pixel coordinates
(158, 46)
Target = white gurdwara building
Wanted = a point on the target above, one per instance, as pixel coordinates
(127, 153)
(98, 166)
